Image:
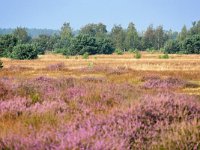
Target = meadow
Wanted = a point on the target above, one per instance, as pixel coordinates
(103, 102)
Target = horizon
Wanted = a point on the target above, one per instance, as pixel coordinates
(36, 14)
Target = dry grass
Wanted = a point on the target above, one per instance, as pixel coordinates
(147, 62)
(75, 90)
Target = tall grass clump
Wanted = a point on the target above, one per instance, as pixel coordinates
(165, 56)
(119, 52)
(85, 55)
(137, 55)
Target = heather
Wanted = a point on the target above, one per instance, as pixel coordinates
(97, 106)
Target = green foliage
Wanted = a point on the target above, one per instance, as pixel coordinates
(21, 34)
(192, 45)
(67, 57)
(7, 42)
(137, 55)
(132, 38)
(64, 51)
(94, 30)
(24, 51)
(183, 34)
(35, 98)
(131, 50)
(1, 64)
(66, 32)
(85, 43)
(82, 44)
(105, 46)
(118, 36)
(85, 55)
(165, 56)
(119, 51)
(148, 39)
(58, 50)
(171, 47)
(43, 43)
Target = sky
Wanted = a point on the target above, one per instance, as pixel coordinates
(51, 14)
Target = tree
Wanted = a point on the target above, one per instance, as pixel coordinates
(118, 37)
(159, 38)
(66, 35)
(83, 43)
(21, 34)
(183, 34)
(66, 32)
(149, 38)
(132, 39)
(171, 35)
(192, 45)
(43, 43)
(105, 46)
(24, 51)
(172, 46)
(94, 30)
(7, 42)
(195, 29)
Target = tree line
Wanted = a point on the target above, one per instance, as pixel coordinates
(95, 39)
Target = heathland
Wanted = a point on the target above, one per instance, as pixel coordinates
(101, 102)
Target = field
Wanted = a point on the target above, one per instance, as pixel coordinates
(104, 102)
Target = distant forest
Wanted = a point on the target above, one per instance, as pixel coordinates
(23, 43)
(32, 32)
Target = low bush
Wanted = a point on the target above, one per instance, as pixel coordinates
(85, 55)
(119, 52)
(24, 51)
(137, 55)
(165, 56)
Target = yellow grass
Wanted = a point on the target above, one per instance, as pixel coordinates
(147, 62)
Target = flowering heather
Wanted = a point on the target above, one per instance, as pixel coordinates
(98, 107)
(13, 107)
(75, 92)
(137, 127)
(164, 83)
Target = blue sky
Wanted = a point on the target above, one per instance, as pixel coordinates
(52, 14)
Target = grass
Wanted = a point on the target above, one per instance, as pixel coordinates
(52, 99)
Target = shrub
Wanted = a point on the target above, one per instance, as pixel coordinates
(131, 50)
(138, 55)
(7, 42)
(165, 56)
(85, 55)
(119, 52)
(59, 50)
(24, 51)
(1, 64)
